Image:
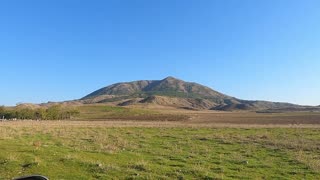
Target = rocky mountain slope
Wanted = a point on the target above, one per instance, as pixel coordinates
(177, 93)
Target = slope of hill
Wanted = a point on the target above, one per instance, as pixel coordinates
(168, 87)
(175, 92)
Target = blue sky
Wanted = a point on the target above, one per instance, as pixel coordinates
(251, 49)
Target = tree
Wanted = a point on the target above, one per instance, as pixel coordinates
(42, 113)
(53, 112)
(2, 112)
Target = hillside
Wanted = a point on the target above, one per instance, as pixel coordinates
(168, 87)
(177, 93)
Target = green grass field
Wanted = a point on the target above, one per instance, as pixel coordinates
(69, 152)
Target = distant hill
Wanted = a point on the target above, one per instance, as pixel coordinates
(177, 93)
(169, 86)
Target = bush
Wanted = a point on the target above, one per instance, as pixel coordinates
(50, 113)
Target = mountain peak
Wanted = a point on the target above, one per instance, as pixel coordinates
(171, 78)
(170, 86)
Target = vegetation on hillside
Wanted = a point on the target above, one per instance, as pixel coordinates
(170, 87)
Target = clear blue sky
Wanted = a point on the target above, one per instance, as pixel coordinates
(251, 49)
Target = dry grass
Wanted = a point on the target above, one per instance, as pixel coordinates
(128, 123)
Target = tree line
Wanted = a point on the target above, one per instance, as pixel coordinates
(55, 112)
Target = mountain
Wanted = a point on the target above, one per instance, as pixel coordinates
(178, 93)
(168, 86)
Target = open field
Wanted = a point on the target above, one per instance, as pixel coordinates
(250, 118)
(152, 113)
(203, 117)
(106, 142)
(157, 150)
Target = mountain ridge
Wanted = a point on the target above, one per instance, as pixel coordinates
(169, 84)
(171, 91)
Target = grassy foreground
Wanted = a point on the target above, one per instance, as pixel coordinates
(67, 152)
